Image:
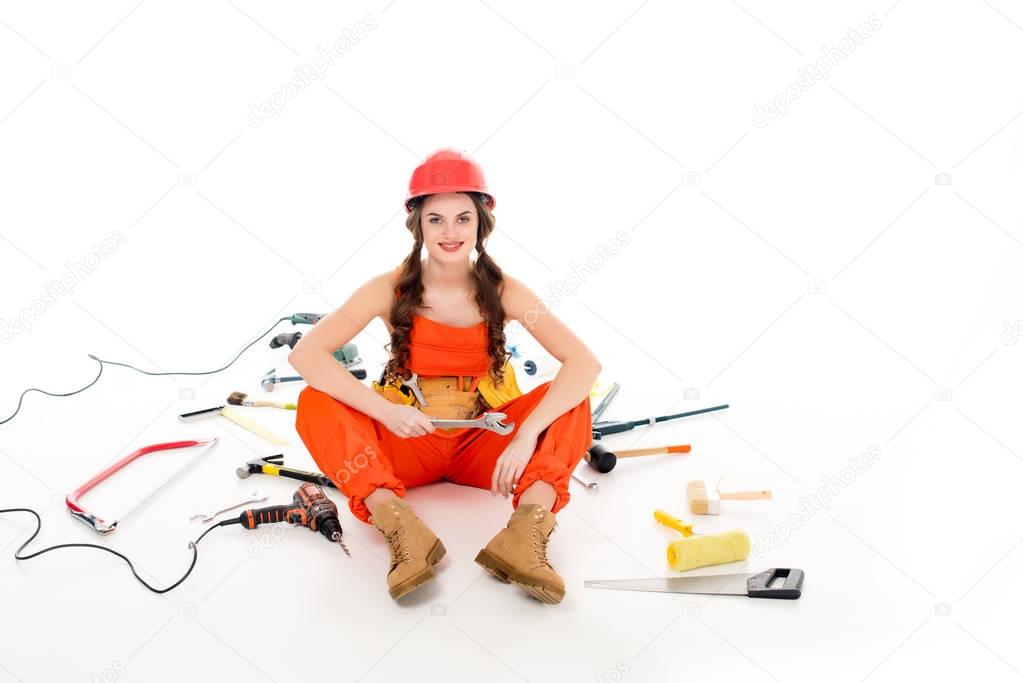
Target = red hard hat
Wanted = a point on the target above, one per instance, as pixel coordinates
(447, 171)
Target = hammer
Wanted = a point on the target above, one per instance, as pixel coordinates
(274, 466)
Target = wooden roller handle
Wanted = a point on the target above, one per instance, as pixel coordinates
(657, 450)
(746, 495)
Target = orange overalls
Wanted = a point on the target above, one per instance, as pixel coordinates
(359, 454)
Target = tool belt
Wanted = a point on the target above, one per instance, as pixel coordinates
(452, 397)
(447, 398)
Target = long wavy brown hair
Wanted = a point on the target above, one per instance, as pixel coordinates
(488, 280)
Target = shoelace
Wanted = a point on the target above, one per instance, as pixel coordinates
(540, 550)
(398, 544)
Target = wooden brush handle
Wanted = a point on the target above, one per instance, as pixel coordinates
(746, 495)
(269, 404)
(656, 450)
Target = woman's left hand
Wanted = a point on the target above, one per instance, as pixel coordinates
(512, 463)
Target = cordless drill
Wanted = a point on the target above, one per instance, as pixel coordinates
(311, 508)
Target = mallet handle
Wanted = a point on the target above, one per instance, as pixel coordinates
(656, 450)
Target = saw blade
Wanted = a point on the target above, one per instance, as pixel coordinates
(719, 584)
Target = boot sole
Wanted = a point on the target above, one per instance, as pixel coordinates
(435, 555)
(547, 594)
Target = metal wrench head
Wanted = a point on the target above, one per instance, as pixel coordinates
(254, 497)
(491, 421)
(413, 384)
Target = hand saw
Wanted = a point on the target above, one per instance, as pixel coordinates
(102, 526)
(760, 585)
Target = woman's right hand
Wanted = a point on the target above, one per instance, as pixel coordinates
(406, 421)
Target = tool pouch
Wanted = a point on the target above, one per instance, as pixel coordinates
(393, 393)
(493, 395)
(446, 400)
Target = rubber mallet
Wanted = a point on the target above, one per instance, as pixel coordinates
(601, 459)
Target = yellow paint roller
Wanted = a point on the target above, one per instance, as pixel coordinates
(702, 550)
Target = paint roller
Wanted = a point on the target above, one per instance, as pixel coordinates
(702, 550)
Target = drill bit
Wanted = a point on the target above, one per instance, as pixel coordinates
(337, 537)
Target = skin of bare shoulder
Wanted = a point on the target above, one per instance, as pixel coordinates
(516, 298)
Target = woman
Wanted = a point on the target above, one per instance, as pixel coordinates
(446, 316)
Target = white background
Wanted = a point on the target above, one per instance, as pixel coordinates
(846, 276)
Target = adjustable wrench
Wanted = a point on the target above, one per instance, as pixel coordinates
(254, 497)
(491, 421)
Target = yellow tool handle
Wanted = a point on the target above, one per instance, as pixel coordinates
(673, 522)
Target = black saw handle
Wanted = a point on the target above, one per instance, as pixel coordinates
(758, 585)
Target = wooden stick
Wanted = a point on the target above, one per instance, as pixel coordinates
(656, 450)
(745, 495)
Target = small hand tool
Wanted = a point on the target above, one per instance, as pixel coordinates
(274, 466)
(606, 401)
(229, 412)
(591, 485)
(413, 384)
(254, 497)
(760, 585)
(270, 379)
(601, 429)
(491, 421)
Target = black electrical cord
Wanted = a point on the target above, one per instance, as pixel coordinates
(145, 372)
(39, 525)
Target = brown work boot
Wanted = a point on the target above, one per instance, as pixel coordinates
(414, 548)
(518, 554)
